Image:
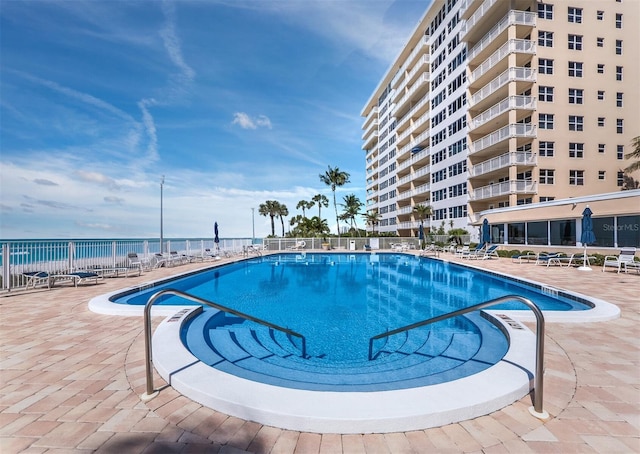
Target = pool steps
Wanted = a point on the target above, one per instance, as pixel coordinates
(416, 358)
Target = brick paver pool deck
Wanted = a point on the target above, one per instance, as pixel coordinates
(71, 379)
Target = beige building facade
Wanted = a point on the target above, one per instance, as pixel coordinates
(503, 103)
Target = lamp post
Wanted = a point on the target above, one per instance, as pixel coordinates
(161, 233)
(253, 226)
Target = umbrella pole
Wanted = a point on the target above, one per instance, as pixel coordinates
(584, 266)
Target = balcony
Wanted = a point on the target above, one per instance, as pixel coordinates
(515, 74)
(422, 46)
(415, 157)
(415, 175)
(414, 143)
(373, 138)
(513, 17)
(412, 128)
(513, 158)
(504, 188)
(371, 127)
(373, 113)
(476, 16)
(422, 189)
(415, 109)
(512, 130)
(524, 103)
(419, 83)
(519, 46)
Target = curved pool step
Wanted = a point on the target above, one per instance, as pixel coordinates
(416, 358)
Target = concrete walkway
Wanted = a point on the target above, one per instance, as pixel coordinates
(70, 381)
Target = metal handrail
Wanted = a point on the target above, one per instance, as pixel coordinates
(147, 329)
(537, 379)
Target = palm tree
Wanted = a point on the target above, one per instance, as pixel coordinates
(270, 208)
(320, 227)
(334, 177)
(282, 212)
(352, 206)
(635, 154)
(322, 201)
(423, 212)
(304, 205)
(372, 218)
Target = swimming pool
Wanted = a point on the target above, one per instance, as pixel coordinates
(395, 289)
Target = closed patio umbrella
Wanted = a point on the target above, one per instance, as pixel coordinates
(587, 237)
(421, 234)
(216, 238)
(486, 232)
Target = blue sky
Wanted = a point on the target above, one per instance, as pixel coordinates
(235, 102)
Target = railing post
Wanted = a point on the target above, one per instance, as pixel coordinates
(6, 266)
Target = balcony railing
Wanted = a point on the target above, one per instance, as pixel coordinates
(414, 143)
(413, 192)
(412, 176)
(419, 48)
(513, 17)
(413, 159)
(471, 22)
(421, 102)
(416, 124)
(500, 162)
(420, 81)
(372, 114)
(510, 103)
(513, 74)
(520, 46)
(507, 132)
(504, 188)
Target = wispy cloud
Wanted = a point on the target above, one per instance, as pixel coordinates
(246, 122)
(45, 182)
(114, 200)
(150, 128)
(32, 202)
(172, 44)
(98, 178)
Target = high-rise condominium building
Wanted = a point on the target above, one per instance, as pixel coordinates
(499, 103)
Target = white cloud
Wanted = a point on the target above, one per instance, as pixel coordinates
(96, 177)
(246, 122)
(45, 182)
(114, 200)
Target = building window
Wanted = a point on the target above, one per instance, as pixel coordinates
(620, 126)
(576, 177)
(600, 68)
(576, 122)
(576, 150)
(600, 95)
(620, 152)
(618, 47)
(600, 42)
(618, 20)
(545, 11)
(546, 148)
(575, 69)
(601, 122)
(546, 176)
(575, 95)
(620, 179)
(545, 39)
(601, 148)
(545, 121)
(545, 94)
(575, 15)
(600, 15)
(547, 199)
(619, 99)
(575, 42)
(619, 73)
(545, 66)
(601, 174)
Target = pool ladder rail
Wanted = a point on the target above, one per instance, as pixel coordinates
(538, 380)
(538, 383)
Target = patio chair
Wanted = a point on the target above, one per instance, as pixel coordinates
(525, 257)
(159, 260)
(491, 251)
(473, 253)
(299, 245)
(549, 258)
(76, 277)
(625, 260)
(36, 278)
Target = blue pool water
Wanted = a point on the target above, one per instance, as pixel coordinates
(338, 302)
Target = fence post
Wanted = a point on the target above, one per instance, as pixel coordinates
(6, 266)
(114, 252)
(71, 259)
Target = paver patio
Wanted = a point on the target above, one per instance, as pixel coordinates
(70, 381)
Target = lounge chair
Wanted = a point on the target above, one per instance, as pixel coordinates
(491, 251)
(36, 278)
(76, 277)
(174, 258)
(549, 258)
(625, 260)
(473, 253)
(525, 257)
(577, 259)
(299, 245)
(159, 260)
(464, 250)
(136, 262)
